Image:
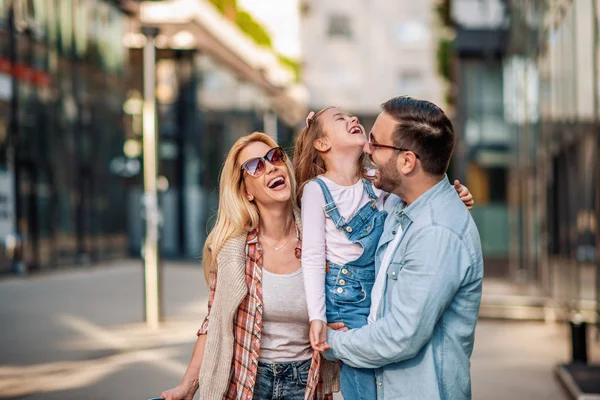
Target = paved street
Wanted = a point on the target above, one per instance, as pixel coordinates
(78, 334)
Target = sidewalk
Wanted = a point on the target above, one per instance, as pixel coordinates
(79, 334)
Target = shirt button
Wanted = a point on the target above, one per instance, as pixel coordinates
(348, 229)
(342, 282)
(379, 383)
(340, 290)
(345, 271)
(393, 232)
(394, 273)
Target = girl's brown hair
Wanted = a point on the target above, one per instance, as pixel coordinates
(308, 163)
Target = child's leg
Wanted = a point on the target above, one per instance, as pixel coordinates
(357, 383)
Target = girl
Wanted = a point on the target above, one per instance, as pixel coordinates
(343, 220)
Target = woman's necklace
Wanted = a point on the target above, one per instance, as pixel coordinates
(280, 247)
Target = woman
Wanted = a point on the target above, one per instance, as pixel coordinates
(254, 343)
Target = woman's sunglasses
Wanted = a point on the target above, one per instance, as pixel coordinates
(255, 167)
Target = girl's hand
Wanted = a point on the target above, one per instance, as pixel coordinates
(464, 194)
(318, 335)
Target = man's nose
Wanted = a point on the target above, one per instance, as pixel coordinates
(367, 148)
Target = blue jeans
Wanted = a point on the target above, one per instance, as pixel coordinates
(281, 381)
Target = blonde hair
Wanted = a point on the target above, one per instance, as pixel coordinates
(308, 162)
(236, 214)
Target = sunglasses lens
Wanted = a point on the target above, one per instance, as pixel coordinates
(255, 166)
(276, 156)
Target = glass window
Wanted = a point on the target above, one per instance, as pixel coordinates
(65, 26)
(410, 81)
(409, 32)
(4, 12)
(339, 26)
(81, 27)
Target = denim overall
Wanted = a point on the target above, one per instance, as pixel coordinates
(348, 287)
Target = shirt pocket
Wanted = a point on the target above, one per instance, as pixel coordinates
(394, 269)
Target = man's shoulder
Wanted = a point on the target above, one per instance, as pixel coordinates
(448, 211)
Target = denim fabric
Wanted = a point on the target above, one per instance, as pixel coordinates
(281, 381)
(348, 287)
(422, 341)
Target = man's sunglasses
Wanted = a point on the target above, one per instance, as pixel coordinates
(255, 167)
(386, 146)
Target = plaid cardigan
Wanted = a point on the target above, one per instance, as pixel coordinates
(247, 324)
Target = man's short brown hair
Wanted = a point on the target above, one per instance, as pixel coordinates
(423, 128)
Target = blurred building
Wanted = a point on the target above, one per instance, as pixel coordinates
(214, 84)
(62, 87)
(526, 90)
(70, 123)
(357, 54)
(554, 59)
(483, 153)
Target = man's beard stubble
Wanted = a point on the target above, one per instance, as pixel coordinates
(390, 179)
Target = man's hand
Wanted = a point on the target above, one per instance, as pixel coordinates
(464, 194)
(336, 326)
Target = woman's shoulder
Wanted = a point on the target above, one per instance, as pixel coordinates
(233, 250)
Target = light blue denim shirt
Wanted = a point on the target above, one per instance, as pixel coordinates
(421, 344)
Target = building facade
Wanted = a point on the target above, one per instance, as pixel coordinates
(62, 81)
(555, 48)
(482, 158)
(358, 54)
(214, 85)
(71, 124)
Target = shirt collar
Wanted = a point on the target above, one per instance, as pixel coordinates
(413, 210)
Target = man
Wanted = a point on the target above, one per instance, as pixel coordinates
(430, 267)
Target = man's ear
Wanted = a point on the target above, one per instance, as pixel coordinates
(407, 162)
(322, 144)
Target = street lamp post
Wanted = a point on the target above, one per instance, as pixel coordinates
(152, 213)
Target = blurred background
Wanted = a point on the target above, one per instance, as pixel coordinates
(519, 79)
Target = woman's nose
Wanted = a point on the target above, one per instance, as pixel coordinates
(269, 167)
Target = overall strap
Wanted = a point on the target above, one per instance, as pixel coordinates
(330, 208)
(369, 188)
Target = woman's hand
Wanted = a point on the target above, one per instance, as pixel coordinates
(183, 391)
(464, 194)
(318, 335)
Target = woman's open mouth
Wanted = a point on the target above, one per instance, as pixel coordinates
(277, 183)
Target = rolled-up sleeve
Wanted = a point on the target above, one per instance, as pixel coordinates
(213, 285)
(434, 266)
